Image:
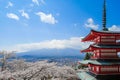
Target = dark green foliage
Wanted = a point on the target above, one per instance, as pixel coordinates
(81, 66)
(87, 56)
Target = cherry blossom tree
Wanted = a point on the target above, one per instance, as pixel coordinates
(40, 70)
(4, 56)
(19, 69)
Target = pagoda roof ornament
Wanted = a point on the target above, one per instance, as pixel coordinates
(104, 17)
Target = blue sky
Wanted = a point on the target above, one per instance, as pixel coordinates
(30, 24)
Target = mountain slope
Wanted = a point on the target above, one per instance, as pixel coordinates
(52, 52)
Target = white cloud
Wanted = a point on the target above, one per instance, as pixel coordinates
(10, 4)
(114, 28)
(74, 43)
(90, 24)
(12, 16)
(36, 2)
(46, 18)
(24, 14)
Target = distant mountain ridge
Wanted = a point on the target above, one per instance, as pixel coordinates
(52, 52)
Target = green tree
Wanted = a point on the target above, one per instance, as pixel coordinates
(87, 56)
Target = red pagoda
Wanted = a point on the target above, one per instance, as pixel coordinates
(104, 63)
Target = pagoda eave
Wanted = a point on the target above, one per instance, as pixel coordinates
(89, 37)
(93, 34)
(91, 48)
(91, 76)
(95, 62)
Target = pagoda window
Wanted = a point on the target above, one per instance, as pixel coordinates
(107, 37)
(108, 50)
(109, 69)
(97, 39)
(108, 40)
(108, 54)
(89, 67)
(93, 68)
(98, 54)
(96, 51)
(97, 69)
(94, 55)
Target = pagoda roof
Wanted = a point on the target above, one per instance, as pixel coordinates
(96, 62)
(107, 32)
(93, 34)
(85, 76)
(93, 47)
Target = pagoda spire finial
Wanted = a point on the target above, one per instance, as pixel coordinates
(104, 17)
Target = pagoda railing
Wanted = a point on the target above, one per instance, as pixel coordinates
(105, 57)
